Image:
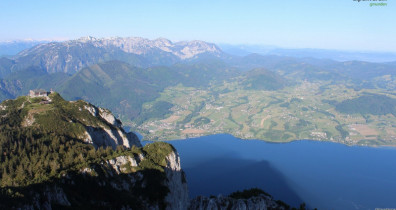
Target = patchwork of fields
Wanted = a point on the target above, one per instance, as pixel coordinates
(303, 111)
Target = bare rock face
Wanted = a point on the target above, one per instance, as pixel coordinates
(109, 117)
(262, 202)
(110, 135)
(177, 197)
(119, 163)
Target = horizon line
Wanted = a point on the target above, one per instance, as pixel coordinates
(266, 45)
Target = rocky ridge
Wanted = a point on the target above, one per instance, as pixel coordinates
(73, 55)
(138, 45)
(96, 126)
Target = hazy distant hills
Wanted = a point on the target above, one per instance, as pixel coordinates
(11, 48)
(337, 55)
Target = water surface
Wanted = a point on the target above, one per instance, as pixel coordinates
(322, 174)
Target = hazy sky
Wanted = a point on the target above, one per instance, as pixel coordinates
(329, 24)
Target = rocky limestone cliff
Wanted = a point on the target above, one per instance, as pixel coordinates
(177, 197)
(261, 202)
(112, 135)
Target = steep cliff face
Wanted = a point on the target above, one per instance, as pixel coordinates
(177, 197)
(111, 135)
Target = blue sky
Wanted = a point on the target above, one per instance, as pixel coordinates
(336, 24)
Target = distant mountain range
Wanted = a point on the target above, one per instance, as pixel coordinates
(71, 56)
(51, 54)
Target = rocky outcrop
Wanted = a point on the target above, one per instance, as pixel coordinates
(101, 136)
(109, 117)
(177, 197)
(261, 202)
(111, 135)
(119, 163)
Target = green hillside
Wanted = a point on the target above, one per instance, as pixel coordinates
(47, 156)
(115, 84)
(124, 88)
(261, 79)
(368, 104)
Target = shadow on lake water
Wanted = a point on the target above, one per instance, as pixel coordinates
(224, 175)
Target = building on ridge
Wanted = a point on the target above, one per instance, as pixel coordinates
(38, 93)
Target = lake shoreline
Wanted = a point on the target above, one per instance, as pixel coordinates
(141, 138)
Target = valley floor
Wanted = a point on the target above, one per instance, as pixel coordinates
(304, 111)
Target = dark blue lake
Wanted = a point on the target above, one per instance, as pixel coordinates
(323, 175)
